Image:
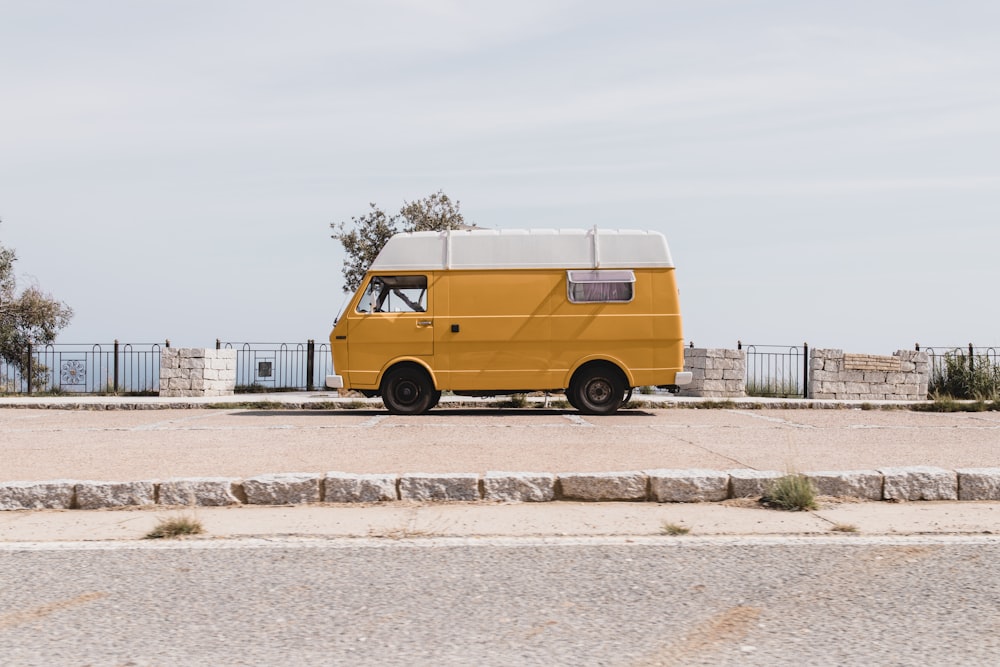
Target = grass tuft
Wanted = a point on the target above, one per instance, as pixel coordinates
(844, 528)
(173, 527)
(715, 405)
(674, 529)
(794, 493)
(513, 401)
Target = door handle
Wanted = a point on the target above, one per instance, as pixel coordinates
(424, 323)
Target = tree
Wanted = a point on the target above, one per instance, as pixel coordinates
(367, 234)
(32, 316)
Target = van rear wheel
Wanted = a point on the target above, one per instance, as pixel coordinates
(407, 390)
(597, 390)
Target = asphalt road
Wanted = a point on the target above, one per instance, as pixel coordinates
(636, 602)
(151, 444)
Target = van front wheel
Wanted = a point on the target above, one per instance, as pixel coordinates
(407, 390)
(599, 390)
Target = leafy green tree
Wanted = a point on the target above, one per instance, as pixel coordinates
(31, 316)
(365, 235)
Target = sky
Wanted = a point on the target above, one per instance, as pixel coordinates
(825, 172)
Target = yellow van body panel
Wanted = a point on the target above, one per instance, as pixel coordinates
(495, 330)
(497, 333)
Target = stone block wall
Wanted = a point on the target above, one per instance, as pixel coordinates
(716, 373)
(834, 374)
(197, 372)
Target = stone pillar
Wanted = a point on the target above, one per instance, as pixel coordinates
(197, 372)
(716, 373)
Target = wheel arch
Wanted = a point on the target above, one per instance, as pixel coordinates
(408, 361)
(593, 360)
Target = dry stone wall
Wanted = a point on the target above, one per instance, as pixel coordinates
(716, 373)
(834, 374)
(197, 372)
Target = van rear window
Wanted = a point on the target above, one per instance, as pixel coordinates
(600, 286)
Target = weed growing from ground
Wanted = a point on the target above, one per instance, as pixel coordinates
(844, 528)
(175, 527)
(792, 492)
(674, 529)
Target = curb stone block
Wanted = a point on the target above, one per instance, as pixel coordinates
(919, 483)
(202, 491)
(866, 484)
(54, 495)
(425, 486)
(529, 487)
(342, 487)
(978, 483)
(752, 483)
(98, 495)
(293, 488)
(688, 486)
(607, 486)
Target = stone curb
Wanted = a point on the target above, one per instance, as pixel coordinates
(661, 486)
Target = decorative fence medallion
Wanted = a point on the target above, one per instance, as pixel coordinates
(74, 372)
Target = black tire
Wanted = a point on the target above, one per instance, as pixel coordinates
(407, 390)
(598, 389)
(435, 399)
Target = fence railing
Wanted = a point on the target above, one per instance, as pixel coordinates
(964, 371)
(125, 368)
(277, 366)
(776, 370)
(937, 355)
(84, 369)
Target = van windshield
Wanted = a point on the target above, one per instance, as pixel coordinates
(394, 294)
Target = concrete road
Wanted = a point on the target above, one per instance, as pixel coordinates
(148, 444)
(666, 601)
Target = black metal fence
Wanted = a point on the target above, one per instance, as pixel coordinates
(84, 369)
(125, 368)
(937, 355)
(964, 371)
(280, 366)
(776, 370)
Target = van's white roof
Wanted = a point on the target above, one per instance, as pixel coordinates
(524, 249)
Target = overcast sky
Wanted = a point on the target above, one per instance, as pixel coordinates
(824, 171)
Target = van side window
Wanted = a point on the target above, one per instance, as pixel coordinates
(600, 286)
(394, 294)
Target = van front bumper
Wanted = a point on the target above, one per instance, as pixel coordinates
(683, 378)
(334, 382)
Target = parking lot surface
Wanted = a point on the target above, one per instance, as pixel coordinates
(119, 445)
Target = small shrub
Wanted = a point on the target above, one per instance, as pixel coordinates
(674, 529)
(966, 377)
(791, 492)
(175, 527)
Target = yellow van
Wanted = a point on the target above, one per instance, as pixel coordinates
(593, 313)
